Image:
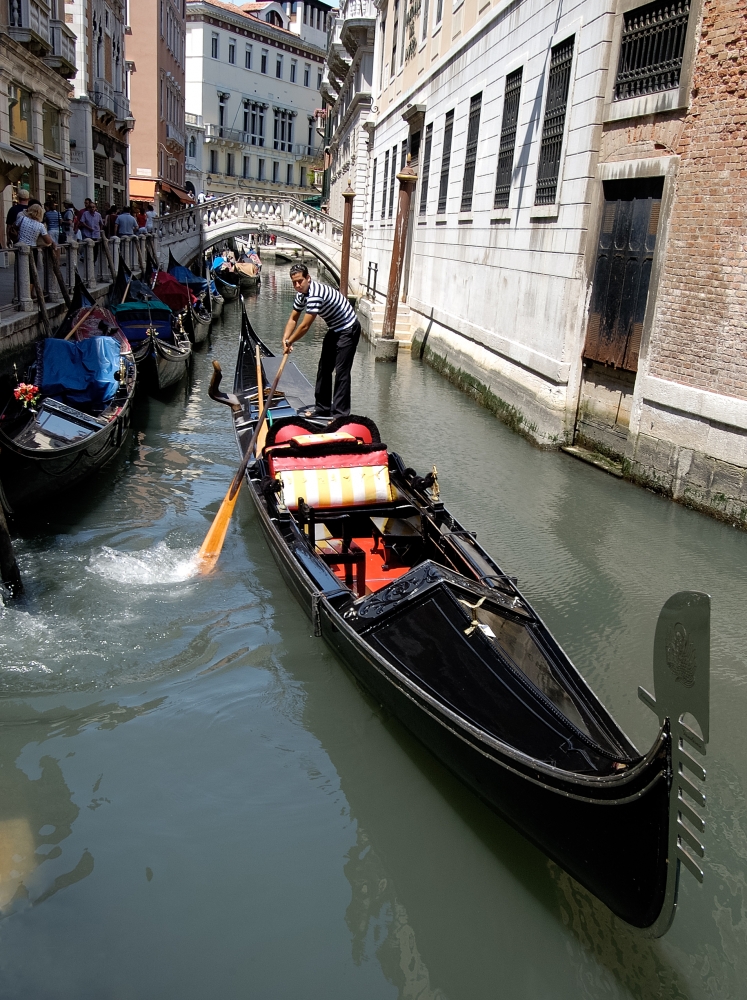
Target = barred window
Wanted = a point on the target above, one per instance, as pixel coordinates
(651, 49)
(558, 84)
(392, 179)
(426, 169)
(99, 167)
(473, 129)
(507, 148)
(118, 174)
(386, 179)
(373, 189)
(443, 188)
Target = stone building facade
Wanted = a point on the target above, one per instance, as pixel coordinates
(37, 60)
(253, 76)
(101, 118)
(347, 88)
(156, 49)
(577, 236)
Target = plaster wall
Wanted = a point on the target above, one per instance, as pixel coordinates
(508, 285)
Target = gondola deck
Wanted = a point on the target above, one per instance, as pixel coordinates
(435, 630)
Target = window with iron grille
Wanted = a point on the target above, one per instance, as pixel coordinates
(651, 49)
(118, 174)
(507, 148)
(473, 129)
(373, 189)
(99, 167)
(558, 84)
(426, 169)
(443, 188)
(403, 156)
(386, 179)
(392, 179)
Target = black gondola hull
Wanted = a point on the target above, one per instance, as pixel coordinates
(228, 290)
(610, 828)
(612, 837)
(30, 478)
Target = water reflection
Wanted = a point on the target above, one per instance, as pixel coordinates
(377, 919)
(37, 810)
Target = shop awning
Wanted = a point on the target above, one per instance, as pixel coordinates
(142, 190)
(12, 162)
(184, 196)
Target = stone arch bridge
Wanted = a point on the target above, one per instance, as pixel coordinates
(196, 229)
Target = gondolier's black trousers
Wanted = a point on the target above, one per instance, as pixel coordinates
(338, 351)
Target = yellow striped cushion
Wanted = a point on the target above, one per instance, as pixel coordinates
(336, 487)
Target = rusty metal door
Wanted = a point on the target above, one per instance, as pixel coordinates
(625, 253)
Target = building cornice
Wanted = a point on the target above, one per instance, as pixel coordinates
(251, 27)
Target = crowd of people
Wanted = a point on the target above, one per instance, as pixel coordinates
(33, 224)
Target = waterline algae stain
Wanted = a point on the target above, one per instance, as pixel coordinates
(301, 843)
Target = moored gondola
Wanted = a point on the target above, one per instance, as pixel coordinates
(217, 300)
(160, 346)
(435, 630)
(198, 316)
(78, 400)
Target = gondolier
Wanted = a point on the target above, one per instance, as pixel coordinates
(340, 342)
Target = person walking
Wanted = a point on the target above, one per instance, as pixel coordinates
(126, 222)
(52, 220)
(111, 220)
(150, 217)
(68, 221)
(11, 219)
(338, 347)
(91, 222)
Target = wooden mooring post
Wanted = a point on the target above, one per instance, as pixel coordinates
(386, 345)
(347, 229)
(10, 576)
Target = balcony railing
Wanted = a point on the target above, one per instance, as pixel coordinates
(62, 56)
(358, 8)
(107, 99)
(175, 135)
(298, 149)
(28, 23)
(195, 120)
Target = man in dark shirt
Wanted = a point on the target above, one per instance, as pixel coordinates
(11, 223)
(340, 341)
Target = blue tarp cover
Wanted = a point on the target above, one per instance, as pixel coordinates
(217, 262)
(80, 373)
(184, 275)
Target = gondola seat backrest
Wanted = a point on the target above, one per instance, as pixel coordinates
(330, 470)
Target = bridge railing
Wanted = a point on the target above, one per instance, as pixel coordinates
(279, 211)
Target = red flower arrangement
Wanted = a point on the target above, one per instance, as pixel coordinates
(28, 394)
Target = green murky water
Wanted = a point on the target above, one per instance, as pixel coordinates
(196, 800)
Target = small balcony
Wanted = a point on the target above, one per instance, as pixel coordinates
(358, 23)
(28, 24)
(230, 135)
(111, 104)
(175, 137)
(62, 57)
(194, 120)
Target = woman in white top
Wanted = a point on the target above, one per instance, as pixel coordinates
(31, 229)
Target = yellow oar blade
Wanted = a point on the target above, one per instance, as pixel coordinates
(210, 549)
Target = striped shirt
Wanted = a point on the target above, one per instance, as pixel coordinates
(325, 301)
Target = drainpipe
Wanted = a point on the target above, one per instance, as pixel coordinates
(347, 228)
(386, 345)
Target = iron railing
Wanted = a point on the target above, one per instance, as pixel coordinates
(443, 188)
(651, 49)
(426, 169)
(553, 127)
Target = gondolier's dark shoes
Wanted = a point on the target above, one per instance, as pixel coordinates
(314, 411)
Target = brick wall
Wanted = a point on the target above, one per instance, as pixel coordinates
(700, 333)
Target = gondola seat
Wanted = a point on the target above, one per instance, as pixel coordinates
(330, 471)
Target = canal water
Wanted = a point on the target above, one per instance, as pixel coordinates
(197, 801)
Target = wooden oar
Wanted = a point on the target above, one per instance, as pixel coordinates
(80, 323)
(260, 399)
(211, 548)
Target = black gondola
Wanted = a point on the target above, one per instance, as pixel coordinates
(435, 630)
(74, 430)
(228, 288)
(198, 317)
(160, 346)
